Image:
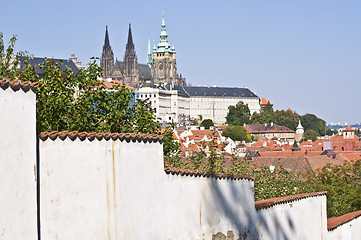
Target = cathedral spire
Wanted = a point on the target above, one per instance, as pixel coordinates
(149, 55)
(130, 38)
(106, 41)
(107, 59)
(163, 45)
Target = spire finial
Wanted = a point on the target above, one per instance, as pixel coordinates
(130, 37)
(106, 40)
(163, 13)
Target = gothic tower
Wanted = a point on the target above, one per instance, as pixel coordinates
(164, 67)
(130, 70)
(107, 60)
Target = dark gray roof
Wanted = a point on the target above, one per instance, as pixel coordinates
(145, 72)
(39, 60)
(212, 91)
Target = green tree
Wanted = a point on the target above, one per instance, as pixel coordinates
(310, 134)
(343, 186)
(207, 123)
(236, 133)
(263, 117)
(310, 121)
(8, 59)
(239, 114)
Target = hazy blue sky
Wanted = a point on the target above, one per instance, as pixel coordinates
(305, 55)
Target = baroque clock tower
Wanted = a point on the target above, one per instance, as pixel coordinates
(164, 67)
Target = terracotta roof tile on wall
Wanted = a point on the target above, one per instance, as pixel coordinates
(198, 173)
(334, 222)
(99, 136)
(16, 85)
(286, 199)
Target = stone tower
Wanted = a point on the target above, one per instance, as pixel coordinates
(130, 70)
(107, 60)
(164, 67)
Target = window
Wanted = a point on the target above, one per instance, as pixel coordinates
(170, 118)
(141, 96)
(155, 110)
(146, 95)
(155, 95)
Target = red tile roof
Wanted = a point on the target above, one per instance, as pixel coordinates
(348, 129)
(198, 173)
(91, 136)
(265, 102)
(334, 222)
(17, 85)
(286, 199)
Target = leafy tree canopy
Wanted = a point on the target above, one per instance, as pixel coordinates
(236, 133)
(207, 123)
(310, 134)
(238, 115)
(310, 121)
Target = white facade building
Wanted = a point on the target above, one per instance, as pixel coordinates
(178, 103)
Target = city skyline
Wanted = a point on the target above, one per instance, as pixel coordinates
(305, 56)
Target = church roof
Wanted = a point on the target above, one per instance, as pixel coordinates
(144, 70)
(39, 60)
(348, 129)
(213, 91)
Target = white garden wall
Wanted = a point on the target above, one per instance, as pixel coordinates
(348, 227)
(18, 217)
(304, 218)
(119, 190)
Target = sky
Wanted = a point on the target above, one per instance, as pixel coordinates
(304, 55)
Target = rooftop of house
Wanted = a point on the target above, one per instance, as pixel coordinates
(267, 128)
(37, 61)
(265, 102)
(212, 91)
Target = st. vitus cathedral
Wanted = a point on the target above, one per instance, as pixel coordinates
(161, 64)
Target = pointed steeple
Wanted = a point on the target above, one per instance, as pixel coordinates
(149, 55)
(163, 45)
(130, 38)
(106, 41)
(107, 59)
(130, 63)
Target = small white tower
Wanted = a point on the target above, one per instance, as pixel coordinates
(299, 131)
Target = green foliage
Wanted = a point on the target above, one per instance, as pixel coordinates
(267, 108)
(286, 118)
(310, 121)
(343, 186)
(8, 59)
(170, 146)
(238, 115)
(236, 133)
(207, 123)
(276, 183)
(310, 134)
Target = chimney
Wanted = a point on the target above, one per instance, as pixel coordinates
(271, 124)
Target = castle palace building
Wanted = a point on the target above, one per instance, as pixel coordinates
(161, 64)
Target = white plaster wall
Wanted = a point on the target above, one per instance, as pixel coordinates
(347, 231)
(18, 219)
(118, 190)
(216, 108)
(302, 219)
